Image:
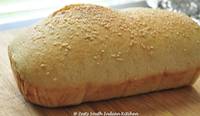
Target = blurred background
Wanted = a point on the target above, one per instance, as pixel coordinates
(20, 13)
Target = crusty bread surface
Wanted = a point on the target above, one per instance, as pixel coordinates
(87, 53)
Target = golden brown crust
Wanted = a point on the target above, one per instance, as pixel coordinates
(88, 53)
(45, 96)
(55, 97)
(89, 39)
(50, 97)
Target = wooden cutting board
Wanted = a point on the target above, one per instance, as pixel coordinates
(177, 102)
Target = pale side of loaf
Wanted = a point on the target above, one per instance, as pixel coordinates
(86, 53)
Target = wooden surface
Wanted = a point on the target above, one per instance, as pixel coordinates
(177, 102)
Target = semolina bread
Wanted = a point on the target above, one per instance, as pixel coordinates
(86, 52)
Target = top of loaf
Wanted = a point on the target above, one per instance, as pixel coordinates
(85, 43)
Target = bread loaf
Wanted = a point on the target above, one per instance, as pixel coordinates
(86, 52)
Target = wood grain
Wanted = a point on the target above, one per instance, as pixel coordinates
(177, 102)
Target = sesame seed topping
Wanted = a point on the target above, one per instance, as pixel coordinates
(69, 47)
(64, 44)
(119, 34)
(95, 57)
(42, 65)
(106, 37)
(47, 73)
(102, 51)
(150, 53)
(143, 46)
(65, 53)
(55, 44)
(89, 38)
(132, 42)
(107, 26)
(132, 36)
(113, 55)
(122, 28)
(58, 37)
(55, 79)
(117, 56)
(119, 59)
(151, 47)
(51, 33)
(44, 41)
(66, 50)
